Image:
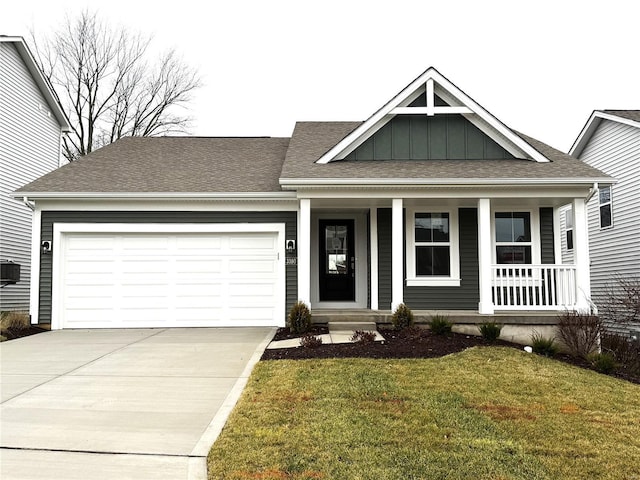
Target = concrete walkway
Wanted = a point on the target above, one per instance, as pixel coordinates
(339, 332)
(118, 404)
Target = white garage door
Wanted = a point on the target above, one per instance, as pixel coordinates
(114, 280)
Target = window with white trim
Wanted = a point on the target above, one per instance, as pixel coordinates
(432, 248)
(606, 212)
(513, 238)
(568, 227)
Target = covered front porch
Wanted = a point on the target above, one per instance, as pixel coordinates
(475, 255)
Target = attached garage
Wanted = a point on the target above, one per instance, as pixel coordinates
(168, 275)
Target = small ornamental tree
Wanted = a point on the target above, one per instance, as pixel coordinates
(402, 317)
(299, 318)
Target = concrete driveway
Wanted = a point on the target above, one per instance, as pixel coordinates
(117, 404)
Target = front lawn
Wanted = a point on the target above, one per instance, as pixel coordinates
(485, 413)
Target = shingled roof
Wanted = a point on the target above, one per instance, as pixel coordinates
(258, 164)
(312, 139)
(172, 164)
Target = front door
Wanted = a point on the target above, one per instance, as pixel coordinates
(337, 272)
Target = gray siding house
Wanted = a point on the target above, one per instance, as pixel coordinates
(431, 201)
(31, 125)
(610, 142)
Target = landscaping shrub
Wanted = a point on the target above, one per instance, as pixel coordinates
(440, 325)
(543, 345)
(402, 317)
(363, 337)
(299, 318)
(12, 323)
(310, 341)
(490, 331)
(603, 362)
(622, 303)
(626, 351)
(580, 332)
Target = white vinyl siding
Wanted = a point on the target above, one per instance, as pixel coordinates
(29, 148)
(146, 279)
(614, 148)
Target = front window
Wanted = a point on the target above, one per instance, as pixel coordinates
(433, 257)
(432, 244)
(513, 237)
(606, 214)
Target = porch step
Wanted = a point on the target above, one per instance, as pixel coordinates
(350, 316)
(351, 326)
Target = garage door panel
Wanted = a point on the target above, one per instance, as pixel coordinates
(144, 245)
(196, 267)
(253, 265)
(198, 245)
(83, 245)
(254, 242)
(155, 280)
(86, 266)
(251, 314)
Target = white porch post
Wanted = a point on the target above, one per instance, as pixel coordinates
(581, 254)
(373, 231)
(304, 252)
(397, 242)
(484, 256)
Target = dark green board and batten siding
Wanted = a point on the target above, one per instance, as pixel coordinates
(419, 137)
(467, 295)
(49, 218)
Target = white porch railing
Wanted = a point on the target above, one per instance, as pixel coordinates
(533, 287)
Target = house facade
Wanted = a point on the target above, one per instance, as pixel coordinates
(31, 125)
(432, 202)
(610, 142)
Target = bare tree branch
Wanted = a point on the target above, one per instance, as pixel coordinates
(109, 89)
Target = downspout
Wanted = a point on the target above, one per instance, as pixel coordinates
(30, 205)
(592, 192)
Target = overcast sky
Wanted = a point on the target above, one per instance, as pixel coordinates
(539, 66)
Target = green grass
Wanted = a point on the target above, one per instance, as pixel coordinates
(486, 413)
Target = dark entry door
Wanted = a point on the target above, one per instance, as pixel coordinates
(337, 261)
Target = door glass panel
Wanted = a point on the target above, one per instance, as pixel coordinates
(336, 249)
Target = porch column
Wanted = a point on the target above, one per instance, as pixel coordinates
(373, 232)
(397, 260)
(581, 254)
(304, 252)
(484, 256)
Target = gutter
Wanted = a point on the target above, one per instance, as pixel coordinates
(158, 195)
(426, 182)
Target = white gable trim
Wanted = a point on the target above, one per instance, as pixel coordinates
(591, 126)
(459, 102)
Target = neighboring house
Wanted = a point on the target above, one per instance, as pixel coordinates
(610, 142)
(432, 202)
(31, 125)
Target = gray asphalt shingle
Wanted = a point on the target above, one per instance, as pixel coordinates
(172, 164)
(256, 164)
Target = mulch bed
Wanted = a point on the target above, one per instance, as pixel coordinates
(408, 343)
(10, 334)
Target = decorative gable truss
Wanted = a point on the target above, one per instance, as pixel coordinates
(432, 119)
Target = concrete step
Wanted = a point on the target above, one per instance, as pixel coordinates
(351, 326)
